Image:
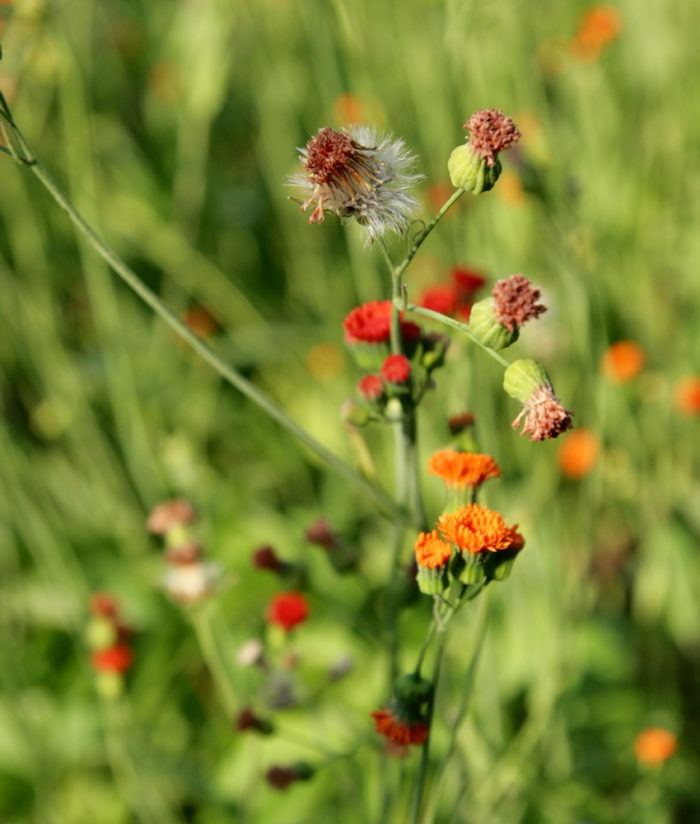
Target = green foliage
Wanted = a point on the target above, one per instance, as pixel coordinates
(172, 126)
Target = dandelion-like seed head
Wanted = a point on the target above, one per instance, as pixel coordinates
(358, 174)
(515, 302)
(491, 132)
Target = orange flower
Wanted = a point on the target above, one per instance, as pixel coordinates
(431, 551)
(623, 361)
(463, 468)
(349, 109)
(686, 395)
(475, 528)
(399, 731)
(599, 26)
(117, 658)
(654, 745)
(578, 453)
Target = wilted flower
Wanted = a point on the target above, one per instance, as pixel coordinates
(545, 415)
(458, 423)
(265, 557)
(248, 720)
(515, 302)
(358, 174)
(474, 166)
(169, 514)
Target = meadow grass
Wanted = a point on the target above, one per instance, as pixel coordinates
(172, 126)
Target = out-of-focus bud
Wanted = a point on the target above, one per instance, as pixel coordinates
(248, 720)
(251, 653)
(411, 690)
(354, 413)
(101, 633)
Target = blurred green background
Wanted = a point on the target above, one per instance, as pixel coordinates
(172, 124)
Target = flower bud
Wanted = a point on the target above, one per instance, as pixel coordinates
(101, 633)
(470, 171)
(523, 377)
(411, 690)
(354, 413)
(485, 328)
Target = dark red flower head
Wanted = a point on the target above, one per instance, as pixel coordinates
(491, 132)
(265, 557)
(287, 610)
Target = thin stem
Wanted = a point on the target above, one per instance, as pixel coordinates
(212, 657)
(418, 242)
(422, 776)
(455, 324)
(232, 376)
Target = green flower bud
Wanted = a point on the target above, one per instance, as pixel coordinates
(432, 581)
(471, 172)
(110, 685)
(354, 413)
(485, 328)
(469, 567)
(411, 690)
(523, 377)
(100, 633)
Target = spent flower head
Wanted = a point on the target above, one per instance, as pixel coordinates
(544, 414)
(491, 132)
(515, 302)
(357, 173)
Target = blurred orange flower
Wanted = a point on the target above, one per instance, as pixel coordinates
(686, 395)
(325, 361)
(200, 321)
(623, 361)
(654, 745)
(463, 468)
(349, 109)
(398, 730)
(510, 189)
(578, 453)
(598, 27)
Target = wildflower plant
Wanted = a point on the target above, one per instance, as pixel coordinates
(358, 174)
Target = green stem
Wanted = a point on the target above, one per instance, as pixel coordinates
(418, 242)
(454, 324)
(201, 621)
(27, 158)
(422, 776)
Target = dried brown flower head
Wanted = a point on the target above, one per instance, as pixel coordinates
(491, 132)
(515, 302)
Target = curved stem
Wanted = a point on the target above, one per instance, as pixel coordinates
(454, 324)
(231, 375)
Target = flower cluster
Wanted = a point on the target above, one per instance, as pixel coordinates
(358, 174)
(188, 579)
(108, 637)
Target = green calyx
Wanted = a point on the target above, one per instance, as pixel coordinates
(523, 377)
(484, 326)
(471, 172)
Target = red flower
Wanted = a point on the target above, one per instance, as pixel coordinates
(441, 298)
(399, 731)
(467, 281)
(371, 323)
(287, 610)
(371, 387)
(113, 659)
(396, 369)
